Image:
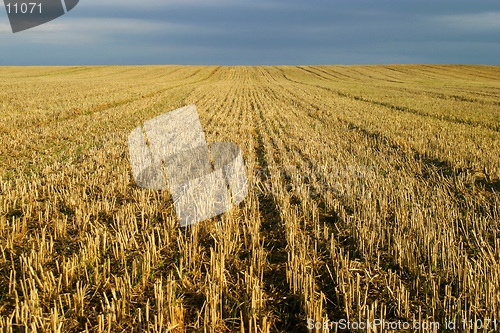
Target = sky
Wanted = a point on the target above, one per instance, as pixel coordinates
(260, 32)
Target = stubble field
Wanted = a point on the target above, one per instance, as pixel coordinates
(373, 194)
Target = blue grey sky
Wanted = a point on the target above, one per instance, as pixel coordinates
(260, 32)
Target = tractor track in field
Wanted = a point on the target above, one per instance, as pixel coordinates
(275, 278)
(405, 109)
(443, 167)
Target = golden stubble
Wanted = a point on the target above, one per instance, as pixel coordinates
(373, 195)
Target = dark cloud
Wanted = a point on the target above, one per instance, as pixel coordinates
(266, 32)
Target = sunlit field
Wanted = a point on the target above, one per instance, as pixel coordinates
(374, 193)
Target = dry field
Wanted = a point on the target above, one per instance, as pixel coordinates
(374, 194)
